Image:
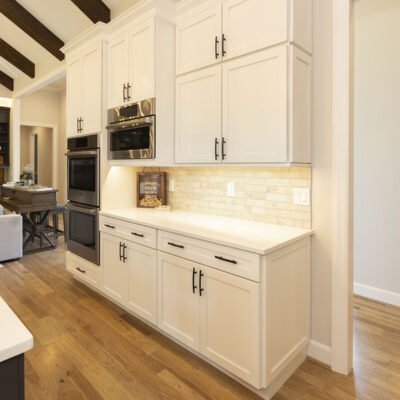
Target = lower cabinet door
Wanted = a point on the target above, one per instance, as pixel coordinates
(230, 323)
(178, 299)
(114, 268)
(142, 281)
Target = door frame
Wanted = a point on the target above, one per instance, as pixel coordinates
(54, 145)
(342, 175)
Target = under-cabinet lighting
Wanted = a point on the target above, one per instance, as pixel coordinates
(5, 102)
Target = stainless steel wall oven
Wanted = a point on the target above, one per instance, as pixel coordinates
(82, 225)
(132, 131)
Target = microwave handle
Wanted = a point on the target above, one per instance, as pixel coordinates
(124, 125)
(81, 153)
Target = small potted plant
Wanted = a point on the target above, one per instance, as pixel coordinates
(27, 175)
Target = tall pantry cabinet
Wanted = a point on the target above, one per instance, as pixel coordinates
(244, 82)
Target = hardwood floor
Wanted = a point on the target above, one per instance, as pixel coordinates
(88, 348)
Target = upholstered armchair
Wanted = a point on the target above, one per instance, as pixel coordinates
(10, 236)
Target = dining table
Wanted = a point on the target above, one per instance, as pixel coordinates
(34, 204)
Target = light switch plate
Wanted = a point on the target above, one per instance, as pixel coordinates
(230, 189)
(171, 186)
(301, 196)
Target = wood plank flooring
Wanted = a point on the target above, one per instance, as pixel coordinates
(86, 348)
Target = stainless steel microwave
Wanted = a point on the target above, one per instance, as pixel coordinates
(132, 131)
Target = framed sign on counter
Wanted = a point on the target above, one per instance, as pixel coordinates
(151, 189)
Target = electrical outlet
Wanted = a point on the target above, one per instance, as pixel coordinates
(171, 185)
(301, 196)
(230, 189)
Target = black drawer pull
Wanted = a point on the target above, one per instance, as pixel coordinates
(226, 260)
(137, 234)
(201, 289)
(176, 245)
(109, 226)
(194, 287)
(81, 270)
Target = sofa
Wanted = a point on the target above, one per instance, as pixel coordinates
(10, 236)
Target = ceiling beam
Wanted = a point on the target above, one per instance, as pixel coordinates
(32, 26)
(17, 59)
(95, 10)
(6, 81)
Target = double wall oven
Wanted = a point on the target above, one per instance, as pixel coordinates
(83, 166)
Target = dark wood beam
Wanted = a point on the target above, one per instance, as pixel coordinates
(32, 26)
(6, 81)
(95, 10)
(14, 57)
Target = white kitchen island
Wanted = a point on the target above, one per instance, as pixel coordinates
(15, 340)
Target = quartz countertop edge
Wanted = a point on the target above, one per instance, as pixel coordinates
(15, 339)
(253, 236)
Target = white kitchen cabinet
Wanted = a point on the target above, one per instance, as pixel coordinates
(142, 281)
(178, 299)
(74, 95)
(114, 282)
(198, 116)
(255, 94)
(84, 91)
(230, 323)
(118, 70)
(198, 41)
(132, 65)
(251, 25)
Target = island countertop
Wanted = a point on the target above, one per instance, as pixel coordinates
(253, 236)
(15, 339)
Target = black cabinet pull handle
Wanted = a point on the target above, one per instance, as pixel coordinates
(137, 234)
(77, 125)
(194, 287)
(176, 245)
(120, 251)
(124, 256)
(223, 148)
(216, 47)
(81, 270)
(201, 289)
(123, 92)
(223, 45)
(127, 91)
(109, 226)
(216, 149)
(226, 259)
(80, 124)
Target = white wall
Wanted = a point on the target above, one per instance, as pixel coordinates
(322, 181)
(377, 144)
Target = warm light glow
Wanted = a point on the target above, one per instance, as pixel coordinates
(5, 102)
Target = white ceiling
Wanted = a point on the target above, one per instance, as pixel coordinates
(62, 17)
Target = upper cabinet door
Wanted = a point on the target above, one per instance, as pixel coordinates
(74, 96)
(142, 281)
(142, 62)
(118, 70)
(92, 90)
(198, 116)
(198, 41)
(255, 107)
(250, 25)
(230, 323)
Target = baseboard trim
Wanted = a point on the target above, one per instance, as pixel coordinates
(319, 352)
(371, 292)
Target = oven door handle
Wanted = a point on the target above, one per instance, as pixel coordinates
(125, 125)
(82, 210)
(78, 154)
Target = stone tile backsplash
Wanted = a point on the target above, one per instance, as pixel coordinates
(261, 193)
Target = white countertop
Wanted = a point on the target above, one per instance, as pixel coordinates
(253, 236)
(15, 339)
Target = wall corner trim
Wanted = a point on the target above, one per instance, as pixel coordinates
(320, 352)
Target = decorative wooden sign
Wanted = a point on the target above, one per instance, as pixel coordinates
(151, 189)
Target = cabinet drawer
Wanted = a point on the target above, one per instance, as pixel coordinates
(129, 231)
(224, 258)
(82, 269)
